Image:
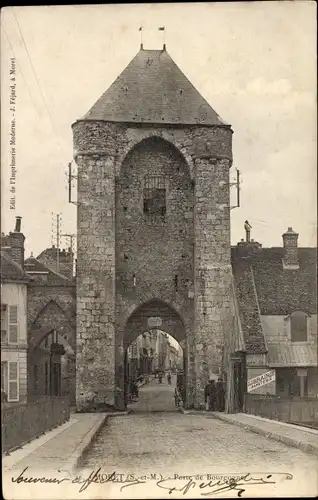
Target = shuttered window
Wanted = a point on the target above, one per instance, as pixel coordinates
(13, 325)
(13, 381)
(4, 324)
(4, 376)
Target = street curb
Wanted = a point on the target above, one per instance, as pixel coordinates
(307, 447)
(80, 450)
(86, 442)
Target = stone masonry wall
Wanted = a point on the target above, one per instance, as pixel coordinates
(41, 295)
(213, 308)
(158, 252)
(51, 307)
(101, 151)
(95, 356)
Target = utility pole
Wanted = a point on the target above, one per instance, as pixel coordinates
(56, 234)
(237, 184)
(72, 237)
(71, 177)
(57, 243)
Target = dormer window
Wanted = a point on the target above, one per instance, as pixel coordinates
(154, 198)
(298, 326)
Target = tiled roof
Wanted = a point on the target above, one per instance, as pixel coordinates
(254, 340)
(152, 89)
(10, 270)
(281, 355)
(282, 291)
(32, 265)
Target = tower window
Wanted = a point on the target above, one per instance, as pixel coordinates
(154, 203)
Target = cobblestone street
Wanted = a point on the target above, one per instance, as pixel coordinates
(158, 452)
(155, 397)
(145, 443)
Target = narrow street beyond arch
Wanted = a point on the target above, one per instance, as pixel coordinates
(156, 397)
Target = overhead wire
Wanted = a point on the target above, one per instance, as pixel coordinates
(59, 142)
(36, 77)
(19, 67)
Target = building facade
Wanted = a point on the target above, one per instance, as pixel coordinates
(276, 298)
(51, 324)
(14, 339)
(153, 226)
(150, 353)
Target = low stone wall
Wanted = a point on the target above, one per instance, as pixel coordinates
(292, 409)
(22, 423)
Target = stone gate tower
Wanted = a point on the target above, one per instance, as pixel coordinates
(153, 227)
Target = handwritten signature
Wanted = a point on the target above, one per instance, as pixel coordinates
(218, 485)
(95, 477)
(210, 487)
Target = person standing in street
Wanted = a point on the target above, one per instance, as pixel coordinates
(177, 397)
(210, 395)
(220, 395)
(135, 389)
(169, 378)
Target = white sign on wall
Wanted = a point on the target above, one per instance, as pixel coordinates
(264, 379)
(154, 322)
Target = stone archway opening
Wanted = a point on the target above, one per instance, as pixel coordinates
(51, 367)
(154, 372)
(153, 336)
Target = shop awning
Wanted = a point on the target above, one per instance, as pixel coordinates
(281, 355)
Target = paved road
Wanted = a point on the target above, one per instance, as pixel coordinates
(146, 443)
(155, 397)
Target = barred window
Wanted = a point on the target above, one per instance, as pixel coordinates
(155, 197)
(298, 326)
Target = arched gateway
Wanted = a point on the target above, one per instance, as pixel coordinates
(153, 227)
(152, 315)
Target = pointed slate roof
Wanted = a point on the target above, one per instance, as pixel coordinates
(153, 89)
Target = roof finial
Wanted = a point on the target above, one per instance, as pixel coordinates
(141, 41)
(247, 228)
(162, 28)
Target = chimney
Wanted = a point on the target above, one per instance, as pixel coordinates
(290, 239)
(17, 225)
(16, 240)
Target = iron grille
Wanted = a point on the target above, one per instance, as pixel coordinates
(154, 200)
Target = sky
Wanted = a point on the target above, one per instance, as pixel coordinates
(254, 62)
